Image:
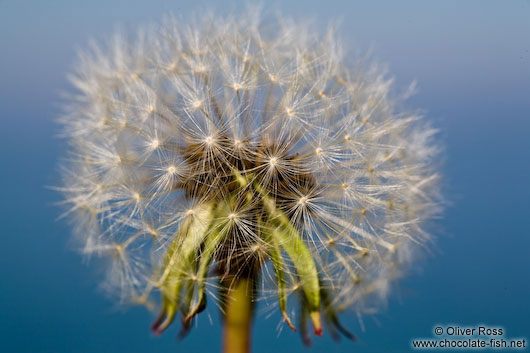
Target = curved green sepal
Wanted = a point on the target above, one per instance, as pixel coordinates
(277, 262)
(286, 235)
(331, 316)
(215, 236)
(180, 259)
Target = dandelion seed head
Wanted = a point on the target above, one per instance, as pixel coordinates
(234, 145)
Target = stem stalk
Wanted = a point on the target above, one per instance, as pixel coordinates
(238, 316)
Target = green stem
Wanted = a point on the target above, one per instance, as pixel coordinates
(238, 316)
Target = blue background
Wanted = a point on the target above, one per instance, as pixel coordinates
(472, 63)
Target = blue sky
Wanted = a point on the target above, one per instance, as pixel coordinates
(472, 63)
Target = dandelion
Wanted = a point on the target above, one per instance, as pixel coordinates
(236, 161)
